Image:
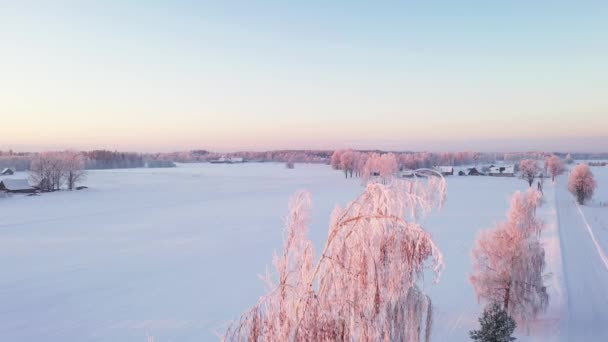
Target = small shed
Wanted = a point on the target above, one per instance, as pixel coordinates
(474, 172)
(7, 172)
(461, 173)
(16, 186)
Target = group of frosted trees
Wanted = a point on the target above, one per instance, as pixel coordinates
(365, 283)
(52, 170)
(365, 165)
(581, 182)
(509, 260)
(529, 168)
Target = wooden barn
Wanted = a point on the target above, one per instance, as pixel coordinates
(16, 186)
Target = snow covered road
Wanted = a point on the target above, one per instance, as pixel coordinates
(585, 273)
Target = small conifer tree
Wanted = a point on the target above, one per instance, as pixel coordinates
(496, 325)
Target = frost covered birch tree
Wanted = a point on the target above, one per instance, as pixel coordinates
(529, 169)
(73, 168)
(365, 284)
(509, 261)
(554, 166)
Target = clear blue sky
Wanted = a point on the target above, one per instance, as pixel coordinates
(227, 75)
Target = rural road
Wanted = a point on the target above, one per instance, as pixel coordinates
(585, 272)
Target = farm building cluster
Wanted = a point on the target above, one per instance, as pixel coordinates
(490, 170)
(486, 170)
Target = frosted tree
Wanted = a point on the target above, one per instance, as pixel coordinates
(360, 164)
(335, 160)
(73, 166)
(47, 171)
(569, 159)
(529, 169)
(345, 160)
(496, 325)
(388, 166)
(348, 162)
(383, 167)
(365, 285)
(554, 166)
(407, 161)
(582, 183)
(41, 171)
(371, 168)
(509, 261)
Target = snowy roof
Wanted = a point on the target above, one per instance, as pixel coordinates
(16, 184)
(502, 169)
(445, 168)
(6, 170)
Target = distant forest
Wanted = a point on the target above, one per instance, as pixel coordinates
(104, 159)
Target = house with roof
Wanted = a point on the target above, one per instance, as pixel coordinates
(16, 186)
(502, 171)
(7, 172)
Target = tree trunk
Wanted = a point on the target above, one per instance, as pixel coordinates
(507, 298)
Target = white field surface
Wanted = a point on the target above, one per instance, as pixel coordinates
(176, 253)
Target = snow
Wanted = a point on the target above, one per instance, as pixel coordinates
(176, 253)
(584, 240)
(172, 253)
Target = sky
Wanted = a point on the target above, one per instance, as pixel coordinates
(256, 75)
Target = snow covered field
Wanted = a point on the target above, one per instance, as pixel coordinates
(176, 253)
